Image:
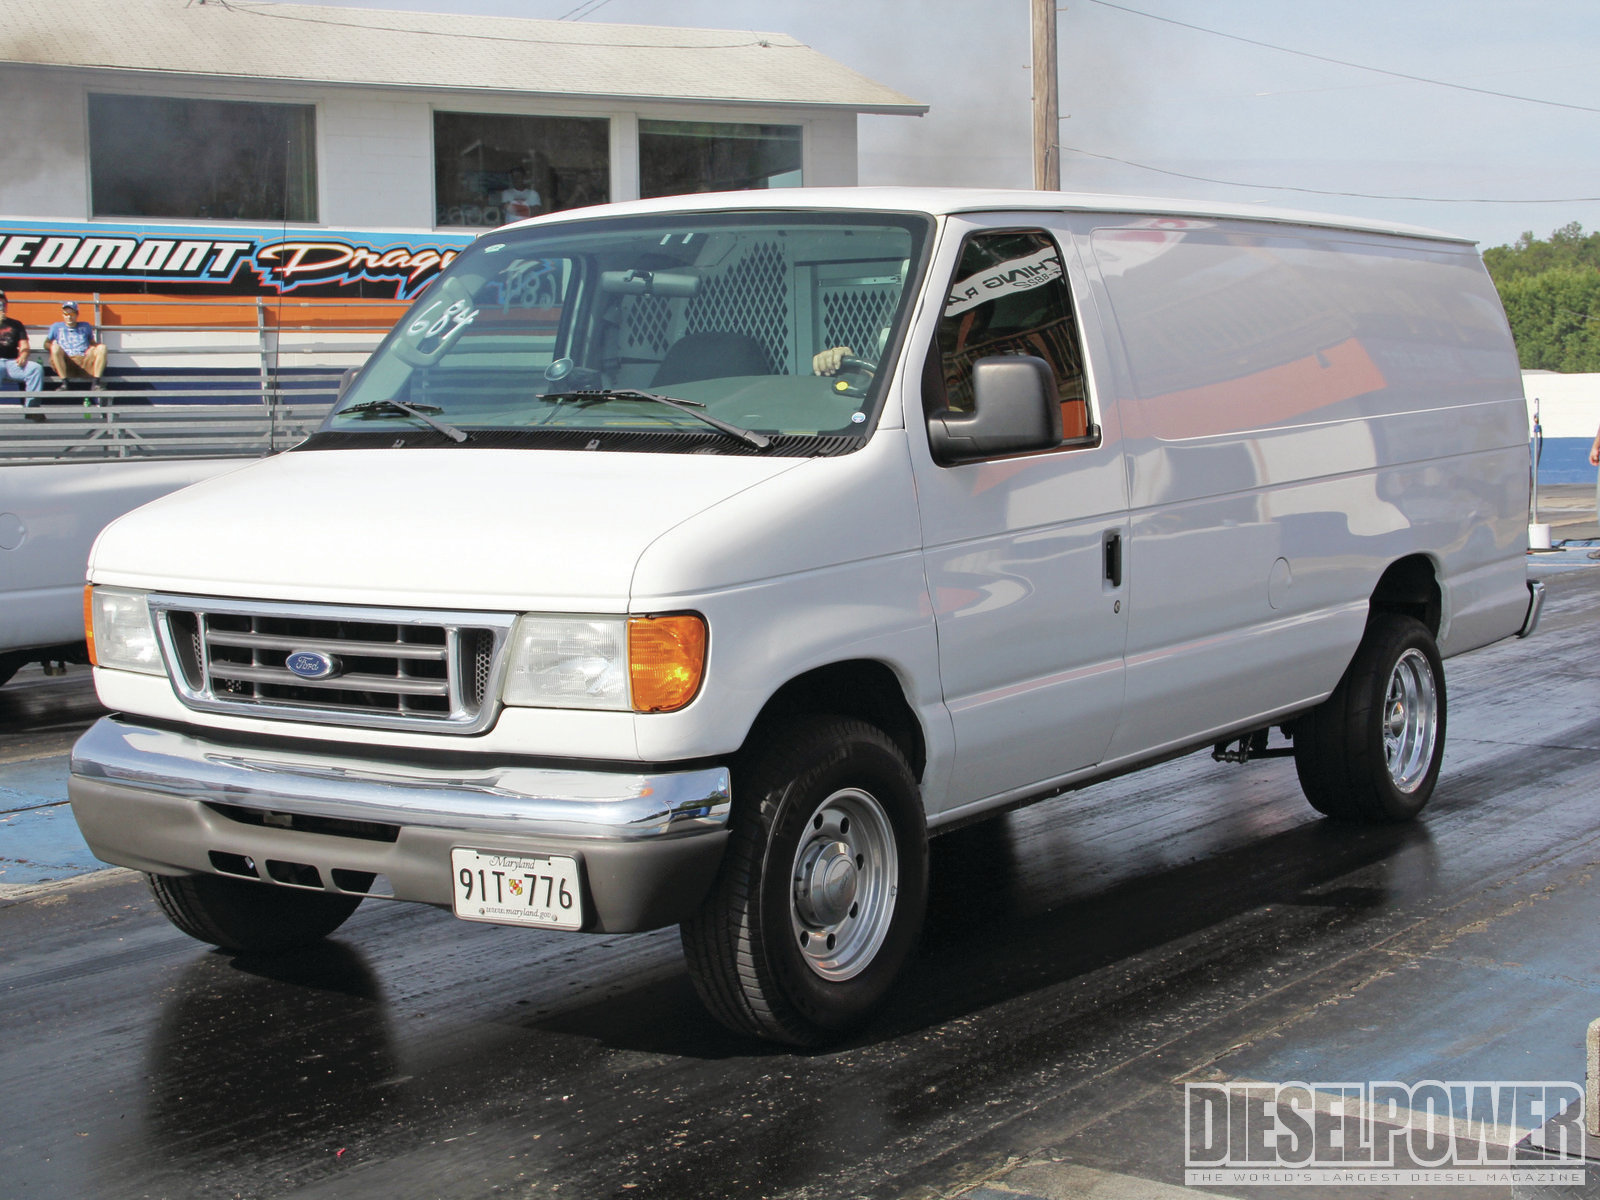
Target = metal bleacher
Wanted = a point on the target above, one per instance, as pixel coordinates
(234, 378)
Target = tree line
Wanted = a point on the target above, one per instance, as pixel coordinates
(1551, 292)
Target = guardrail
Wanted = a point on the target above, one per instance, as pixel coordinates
(216, 417)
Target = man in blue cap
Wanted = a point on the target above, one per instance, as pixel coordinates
(75, 352)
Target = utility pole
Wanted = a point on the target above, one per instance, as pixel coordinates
(1046, 107)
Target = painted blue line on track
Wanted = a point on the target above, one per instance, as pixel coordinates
(39, 840)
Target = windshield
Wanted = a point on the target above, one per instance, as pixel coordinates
(707, 328)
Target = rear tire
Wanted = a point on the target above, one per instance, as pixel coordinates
(1371, 752)
(822, 889)
(238, 915)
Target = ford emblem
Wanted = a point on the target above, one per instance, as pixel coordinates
(312, 664)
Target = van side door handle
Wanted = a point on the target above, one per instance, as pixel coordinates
(1112, 546)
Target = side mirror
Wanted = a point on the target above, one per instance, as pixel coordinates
(1015, 408)
(345, 381)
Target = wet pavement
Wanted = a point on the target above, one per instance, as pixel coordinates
(1084, 959)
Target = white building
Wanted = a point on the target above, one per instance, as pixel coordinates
(222, 185)
(360, 119)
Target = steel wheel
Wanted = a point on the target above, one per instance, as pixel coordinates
(845, 880)
(1410, 720)
(822, 888)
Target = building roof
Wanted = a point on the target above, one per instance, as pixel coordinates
(304, 43)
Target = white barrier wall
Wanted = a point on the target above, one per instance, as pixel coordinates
(1568, 407)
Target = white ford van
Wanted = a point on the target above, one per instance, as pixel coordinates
(693, 561)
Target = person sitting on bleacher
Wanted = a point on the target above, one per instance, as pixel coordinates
(14, 362)
(75, 352)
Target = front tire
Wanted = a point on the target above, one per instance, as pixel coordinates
(1370, 753)
(246, 917)
(822, 889)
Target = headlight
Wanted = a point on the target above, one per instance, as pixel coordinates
(647, 664)
(119, 631)
(568, 662)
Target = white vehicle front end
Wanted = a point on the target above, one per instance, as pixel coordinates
(454, 711)
(397, 663)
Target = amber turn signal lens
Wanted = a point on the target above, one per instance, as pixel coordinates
(88, 621)
(666, 658)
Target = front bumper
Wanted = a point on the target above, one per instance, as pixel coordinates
(648, 843)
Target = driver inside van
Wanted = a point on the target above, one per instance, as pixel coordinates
(829, 361)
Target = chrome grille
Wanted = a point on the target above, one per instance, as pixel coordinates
(371, 667)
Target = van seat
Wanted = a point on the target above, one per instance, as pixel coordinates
(711, 354)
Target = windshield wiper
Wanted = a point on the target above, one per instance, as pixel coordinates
(692, 407)
(419, 411)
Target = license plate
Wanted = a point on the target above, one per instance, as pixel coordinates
(517, 889)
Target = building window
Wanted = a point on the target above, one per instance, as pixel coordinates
(490, 169)
(676, 157)
(152, 156)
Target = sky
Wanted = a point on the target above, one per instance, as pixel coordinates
(1227, 100)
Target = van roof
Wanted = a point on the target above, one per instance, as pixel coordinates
(948, 201)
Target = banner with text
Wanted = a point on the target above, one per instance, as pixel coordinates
(218, 260)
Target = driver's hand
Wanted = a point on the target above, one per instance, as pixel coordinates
(827, 362)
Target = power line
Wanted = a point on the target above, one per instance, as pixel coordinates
(1460, 87)
(254, 11)
(587, 9)
(1284, 187)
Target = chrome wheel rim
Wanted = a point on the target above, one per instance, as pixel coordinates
(1410, 720)
(843, 885)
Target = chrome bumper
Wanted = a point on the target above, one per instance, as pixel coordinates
(648, 843)
(523, 801)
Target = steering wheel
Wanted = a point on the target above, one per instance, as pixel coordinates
(857, 366)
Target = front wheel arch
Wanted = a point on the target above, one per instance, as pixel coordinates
(867, 690)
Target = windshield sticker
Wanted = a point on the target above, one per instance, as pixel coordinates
(446, 326)
(1016, 275)
(533, 283)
